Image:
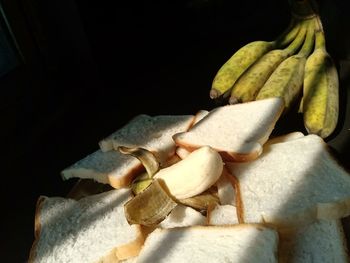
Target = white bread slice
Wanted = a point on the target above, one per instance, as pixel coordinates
(152, 133)
(111, 167)
(239, 243)
(106, 144)
(322, 241)
(182, 152)
(199, 116)
(222, 215)
(87, 230)
(118, 170)
(284, 138)
(182, 216)
(237, 132)
(226, 191)
(293, 183)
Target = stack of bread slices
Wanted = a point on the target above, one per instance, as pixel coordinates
(281, 199)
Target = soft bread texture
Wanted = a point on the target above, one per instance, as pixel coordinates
(93, 229)
(223, 215)
(226, 191)
(111, 167)
(240, 243)
(199, 116)
(235, 131)
(182, 216)
(182, 152)
(284, 138)
(106, 144)
(322, 241)
(152, 133)
(293, 183)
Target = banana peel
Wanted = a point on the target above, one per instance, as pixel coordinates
(151, 206)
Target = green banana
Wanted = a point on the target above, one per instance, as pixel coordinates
(248, 85)
(246, 56)
(287, 80)
(320, 103)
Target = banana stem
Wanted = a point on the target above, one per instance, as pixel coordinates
(288, 35)
(320, 41)
(309, 40)
(302, 9)
(294, 46)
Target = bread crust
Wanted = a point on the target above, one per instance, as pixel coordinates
(131, 249)
(122, 252)
(226, 156)
(37, 228)
(125, 181)
(125, 251)
(198, 116)
(239, 203)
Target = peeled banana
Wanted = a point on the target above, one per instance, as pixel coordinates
(186, 178)
(246, 56)
(320, 103)
(247, 86)
(287, 80)
(192, 175)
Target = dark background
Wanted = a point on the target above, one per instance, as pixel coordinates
(90, 66)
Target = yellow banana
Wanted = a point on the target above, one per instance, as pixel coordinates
(246, 56)
(320, 103)
(248, 85)
(287, 80)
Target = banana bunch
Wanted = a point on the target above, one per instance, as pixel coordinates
(296, 65)
(320, 103)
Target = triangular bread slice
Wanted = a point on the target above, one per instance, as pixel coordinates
(226, 212)
(87, 230)
(292, 183)
(152, 133)
(241, 243)
(106, 144)
(112, 167)
(183, 152)
(225, 184)
(237, 132)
